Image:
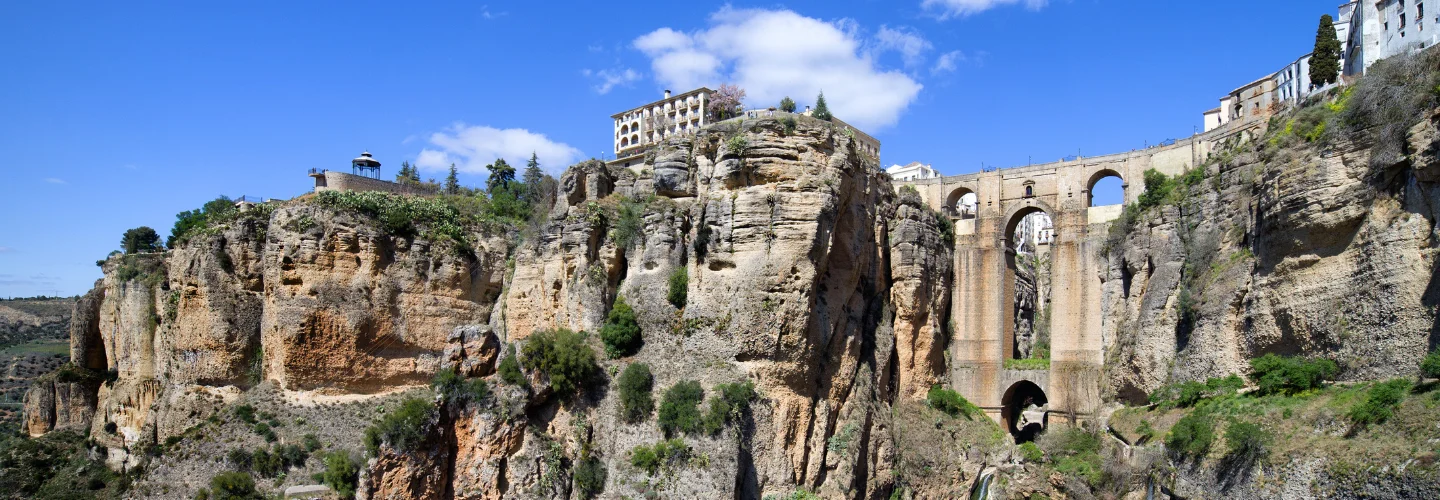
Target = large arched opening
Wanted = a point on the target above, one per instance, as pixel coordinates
(1023, 410)
(962, 203)
(1029, 234)
(1105, 188)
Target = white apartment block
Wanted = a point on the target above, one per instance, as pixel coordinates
(912, 172)
(638, 129)
(1384, 28)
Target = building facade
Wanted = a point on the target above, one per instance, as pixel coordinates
(913, 172)
(1380, 29)
(637, 130)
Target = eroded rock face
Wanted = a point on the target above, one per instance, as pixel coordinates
(1304, 252)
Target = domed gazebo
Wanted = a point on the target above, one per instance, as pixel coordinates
(365, 166)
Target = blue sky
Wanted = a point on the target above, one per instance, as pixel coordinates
(116, 115)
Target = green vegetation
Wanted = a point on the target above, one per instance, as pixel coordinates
(140, 240)
(263, 430)
(1380, 403)
(787, 105)
(635, 385)
(822, 111)
(1031, 452)
(399, 215)
(737, 144)
(408, 174)
(245, 413)
(191, 222)
(454, 388)
(621, 333)
(728, 402)
(312, 443)
(679, 287)
(1192, 435)
(1395, 94)
(452, 181)
(1430, 366)
(1246, 442)
(629, 222)
(950, 402)
(590, 477)
(341, 474)
(664, 454)
(1325, 60)
(233, 486)
(1027, 364)
(404, 429)
(563, 357)
(1188, 394)
(509, 368)
(680, 408)
(56, 465)
(1074, 451)
(1289, 375)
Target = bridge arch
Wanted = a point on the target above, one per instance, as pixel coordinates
(1017, 212)
(963, 203)
(1020, 397)
(1097, 178)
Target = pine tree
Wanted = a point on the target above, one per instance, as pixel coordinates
(501, 174)
(1325, 61)
(452, 181)
(821, 110)
(787, 105)
(405, 172)
(533, 175)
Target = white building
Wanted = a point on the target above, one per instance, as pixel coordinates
(1383, 28)
(638, 129)
(912, 172)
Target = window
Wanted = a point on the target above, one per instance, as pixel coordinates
(1402, 23)
(1420, 16)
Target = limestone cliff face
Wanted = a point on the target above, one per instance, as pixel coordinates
(1296, 251)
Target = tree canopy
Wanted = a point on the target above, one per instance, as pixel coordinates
(1325, 61)
(140, 239)
(787, 105)
(822, 111)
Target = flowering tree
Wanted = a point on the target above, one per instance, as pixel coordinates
(725, 103)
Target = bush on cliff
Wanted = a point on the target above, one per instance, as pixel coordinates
(1380, 402)
(341, 474)
(590, 477)
(453, 387)
(949, 402)
(404, 428)
(635, 385)
(1192, 435)
(667, 454)
(399, 215)
(680, 408)
(190, 222)
(233, 486)
(139, 240)
(679, 287)
(621, 333)
(563, 357)
(1289, 375)
(1430, 366)
(509, 369)
(727, 403)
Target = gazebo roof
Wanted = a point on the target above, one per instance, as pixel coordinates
(365, 160)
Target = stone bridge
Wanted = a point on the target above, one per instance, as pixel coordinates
(982, 305)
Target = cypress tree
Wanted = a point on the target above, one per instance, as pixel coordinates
(452, 181)
(1325, 61)
(821, 110)
(533, 175)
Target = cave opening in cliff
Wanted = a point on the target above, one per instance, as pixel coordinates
(1029, 236)
(1023, 410)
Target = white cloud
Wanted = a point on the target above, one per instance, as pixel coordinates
(611, 78)
(777, 53)
(54, 180)
(948, 61)
(471, 147)
(962, 8)
(911, 46)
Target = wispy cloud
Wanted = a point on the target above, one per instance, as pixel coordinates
(948, 62)
(908, 42)
(472, 147)
(485, 13)
(55, 180)
(608, 79)
(32, 280)
(946, 9)
(778, 53)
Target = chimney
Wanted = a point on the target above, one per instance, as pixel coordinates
(807, 108)
(667, 93)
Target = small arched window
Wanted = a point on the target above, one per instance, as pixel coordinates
(1029, 191)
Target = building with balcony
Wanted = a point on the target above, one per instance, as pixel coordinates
(639, 129)
(912, 172)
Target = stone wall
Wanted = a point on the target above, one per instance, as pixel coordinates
(339, 181)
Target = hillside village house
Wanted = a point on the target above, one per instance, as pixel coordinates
(913, 171)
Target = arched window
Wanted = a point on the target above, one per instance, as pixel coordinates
(1029, 191)
(1106, 188)
(625, 142)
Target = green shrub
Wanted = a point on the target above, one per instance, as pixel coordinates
(245, 413)
(949, 402)
(1380, 403)
(266, 464)
(454, 388)
(621, 334)
(400, 215)
(636, 383)
(1030, 452)
(1289, 375)
(629, 225)
(240, 458)
(263, 430)
(341, 474)
(1192, 435)
(1157, 189)
(509, 369)
(1430, 366)
(233, 486)
(669, 454)
(1145, 431)
(404, 428)
(680, 408)
(728, 402)
(590, 477)
(679, 287)
(1245, 441)
(139, 240)
(563, 357)
(1074, 451)
(191, 222)
(312, 443)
